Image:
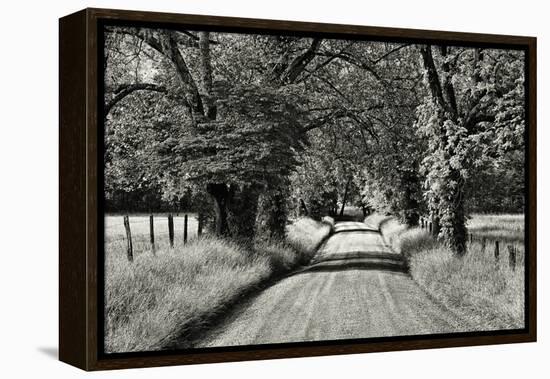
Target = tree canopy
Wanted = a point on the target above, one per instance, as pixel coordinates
(255, 129)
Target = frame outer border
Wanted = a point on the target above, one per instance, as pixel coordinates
(78, 290)
(72, 190)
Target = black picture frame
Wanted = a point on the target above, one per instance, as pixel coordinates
(81, 190)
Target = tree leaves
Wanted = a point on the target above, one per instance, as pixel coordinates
(312, 113)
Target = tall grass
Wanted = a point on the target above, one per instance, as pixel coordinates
(486, 292)
(160, 300)
(306, 235)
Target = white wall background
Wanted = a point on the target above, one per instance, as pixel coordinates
(28, 185)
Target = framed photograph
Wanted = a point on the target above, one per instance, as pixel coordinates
(240, 189)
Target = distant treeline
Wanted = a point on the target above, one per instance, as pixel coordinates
(498, 187)
(145, 200)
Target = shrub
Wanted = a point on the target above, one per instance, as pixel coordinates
(306, 235)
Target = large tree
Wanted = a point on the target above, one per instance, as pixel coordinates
(475, 109)
(238, 92)
(222, 144)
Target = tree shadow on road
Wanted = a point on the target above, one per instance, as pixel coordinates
(357, 230)
(371, 262)
(363, 255)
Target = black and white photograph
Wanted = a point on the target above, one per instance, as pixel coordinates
(287, 189)
(275, 188)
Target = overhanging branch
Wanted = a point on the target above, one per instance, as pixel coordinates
(126, 89)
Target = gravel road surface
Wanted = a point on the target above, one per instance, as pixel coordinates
(355, 287)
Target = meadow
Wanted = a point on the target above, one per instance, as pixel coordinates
(504, 227)
(139, 225)
(164, 299)
(486, 292)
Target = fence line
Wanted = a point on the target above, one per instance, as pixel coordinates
(511, 248)
(129, 240)
(185, 230)
(152, 233)
(171, 230)
(115, 225)
(130, 249)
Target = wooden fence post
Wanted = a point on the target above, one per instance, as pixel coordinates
(430, 226)
(171, 229)
(512, 257)
(152, 233)
(130, 249)
(471, 238)
(422, 222)
(199, 222)
(497, 251)
(185, 229)
(483, 244)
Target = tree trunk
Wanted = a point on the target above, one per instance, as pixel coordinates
(459, 223)
(206, 75)
(220, 195)
(298, 65)
(273, 213)
(410, 205)
(433, 77)
(235, 210)
(192, 97)
(242, 212)
(345, 197)
(450, 197)
(453, 220)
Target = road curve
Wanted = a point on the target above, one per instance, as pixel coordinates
(355, 287)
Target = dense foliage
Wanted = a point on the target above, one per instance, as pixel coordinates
(474, 113)
(254, 129)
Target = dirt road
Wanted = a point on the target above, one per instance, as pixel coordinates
(355, 287)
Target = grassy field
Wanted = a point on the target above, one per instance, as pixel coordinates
(161, 299)
(487, 293)
(504, 227)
